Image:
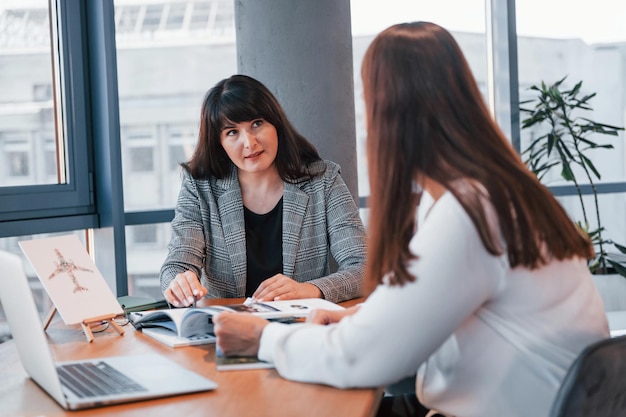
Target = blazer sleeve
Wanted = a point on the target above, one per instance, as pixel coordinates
(347, 241)
(187, 245)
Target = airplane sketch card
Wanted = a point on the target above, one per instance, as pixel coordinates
(71, 279)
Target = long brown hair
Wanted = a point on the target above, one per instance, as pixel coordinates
(426, 116)
(242, 98)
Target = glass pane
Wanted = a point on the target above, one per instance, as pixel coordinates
(28, 103)
(43, 302)
(583, 44)
(175, 16)
(169, 53)
(147, 248)
(465, 19)
(611, 208)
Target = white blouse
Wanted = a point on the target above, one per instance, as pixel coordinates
(485, 339)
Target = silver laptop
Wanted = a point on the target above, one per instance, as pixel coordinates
(86, 383)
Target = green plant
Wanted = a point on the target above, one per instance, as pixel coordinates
(565, 146)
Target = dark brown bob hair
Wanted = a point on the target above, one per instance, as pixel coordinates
(237, 99)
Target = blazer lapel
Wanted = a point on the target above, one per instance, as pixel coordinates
(230, 206)
(294, 207)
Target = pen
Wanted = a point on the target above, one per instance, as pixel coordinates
(193, 305)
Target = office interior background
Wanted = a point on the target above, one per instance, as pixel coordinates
(151, 61)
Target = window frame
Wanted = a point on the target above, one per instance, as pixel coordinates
(28, 209)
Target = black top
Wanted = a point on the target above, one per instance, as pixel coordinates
(264, 245)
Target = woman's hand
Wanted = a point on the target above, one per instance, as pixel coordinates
(238, 334)
(281, 287)
(183, 289)
(321, 316)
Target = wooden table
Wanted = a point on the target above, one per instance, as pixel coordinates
(254, 393)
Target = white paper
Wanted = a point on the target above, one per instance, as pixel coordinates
(71, 279)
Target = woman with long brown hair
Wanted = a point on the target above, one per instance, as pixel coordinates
(478, 278)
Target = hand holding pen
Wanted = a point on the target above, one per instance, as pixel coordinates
(185, 290)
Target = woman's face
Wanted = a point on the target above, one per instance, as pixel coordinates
(251, 145)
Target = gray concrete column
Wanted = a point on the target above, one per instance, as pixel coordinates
(302, 51)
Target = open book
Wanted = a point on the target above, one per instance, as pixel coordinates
(189, 326)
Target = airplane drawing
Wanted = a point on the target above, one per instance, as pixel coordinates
(65, 266)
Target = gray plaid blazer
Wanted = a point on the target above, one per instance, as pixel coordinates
(320, 218)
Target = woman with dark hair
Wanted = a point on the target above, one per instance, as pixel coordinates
(259, 212)
(477, 278)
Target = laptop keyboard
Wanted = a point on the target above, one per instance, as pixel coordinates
(95, 379)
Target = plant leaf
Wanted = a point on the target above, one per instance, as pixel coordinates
(591, 166)
(620, 247)
(619, 268)
(602, 124)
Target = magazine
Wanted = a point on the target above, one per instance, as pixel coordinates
(189, 325)
(171, 339)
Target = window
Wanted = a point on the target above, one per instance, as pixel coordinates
(222, 20)
(42, 92)
(175, 13)
(15, 148)
(201, 14)
(152, 17)
(369, 17)
(17, 163)
(126, 19)
(144, 234)
(169, 53)
(182, 142)
(585, 44)
(146, 253)
(139, 149)
(177, 155)
(43, 124)
(163, 75)
(141, 159)
(26, 82)
(50, 158)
